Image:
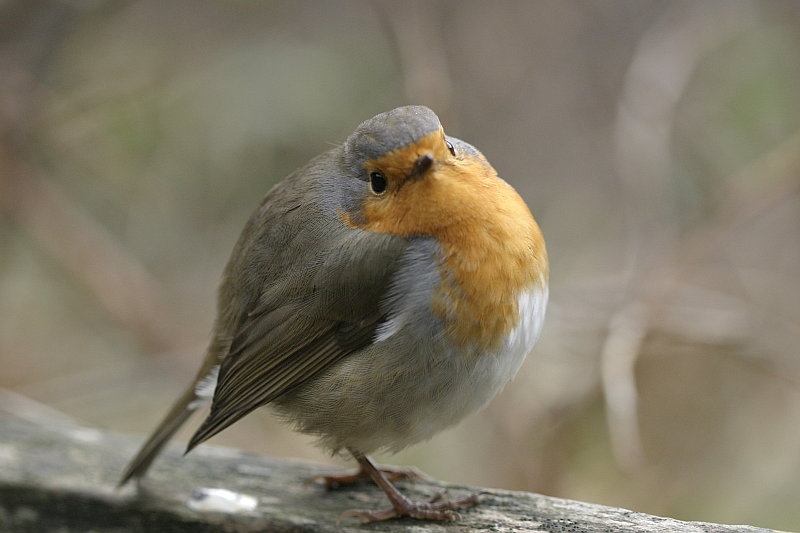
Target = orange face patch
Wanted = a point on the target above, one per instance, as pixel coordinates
(492, 247)
(398, 164)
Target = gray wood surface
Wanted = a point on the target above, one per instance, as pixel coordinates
(57, 476)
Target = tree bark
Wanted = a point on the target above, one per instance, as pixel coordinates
(57, 476)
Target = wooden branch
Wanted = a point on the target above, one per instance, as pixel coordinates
(56, 476)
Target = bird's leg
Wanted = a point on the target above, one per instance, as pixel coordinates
(392, 473)
(402, 506)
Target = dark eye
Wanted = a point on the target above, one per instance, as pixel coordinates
(377, 182)
(450, 147)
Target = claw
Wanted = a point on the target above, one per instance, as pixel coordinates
(429, 510)
(433, 509)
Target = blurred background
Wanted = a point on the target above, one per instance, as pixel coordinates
(657, 143)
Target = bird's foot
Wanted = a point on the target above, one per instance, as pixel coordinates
(392, 473)
(433, 509)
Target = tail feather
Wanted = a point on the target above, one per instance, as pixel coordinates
(180, 412)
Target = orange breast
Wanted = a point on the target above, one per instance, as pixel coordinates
(492, 247)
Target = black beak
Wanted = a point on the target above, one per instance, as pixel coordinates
(421, 166)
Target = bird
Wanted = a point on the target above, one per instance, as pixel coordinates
(377, 295)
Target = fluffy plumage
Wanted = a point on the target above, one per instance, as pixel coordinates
(369, 318)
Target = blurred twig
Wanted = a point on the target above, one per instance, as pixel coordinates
(115, 278)
(621, 348)
(417, 38)
(658, 74)
(671, 260)
(779, 168)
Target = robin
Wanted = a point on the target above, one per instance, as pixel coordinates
(377, 295)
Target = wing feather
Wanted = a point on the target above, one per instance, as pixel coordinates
(300, 292)
(258, 373)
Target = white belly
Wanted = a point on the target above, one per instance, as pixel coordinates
(408, 386)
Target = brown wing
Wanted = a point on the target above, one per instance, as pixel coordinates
(300, 292)
(273, 354)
